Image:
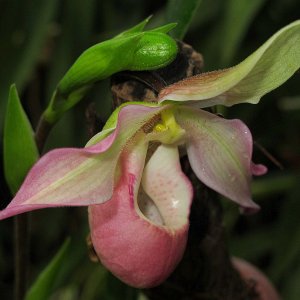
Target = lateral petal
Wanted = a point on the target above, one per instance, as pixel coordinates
(219, 152)
(75, 177)
(261, 72)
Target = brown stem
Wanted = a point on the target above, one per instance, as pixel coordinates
(21, 254)
(41, 133)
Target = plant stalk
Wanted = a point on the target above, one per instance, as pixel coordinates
(21, 242)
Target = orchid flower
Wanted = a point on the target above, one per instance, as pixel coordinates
(129, 174)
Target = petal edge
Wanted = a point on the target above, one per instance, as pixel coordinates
(219, 152)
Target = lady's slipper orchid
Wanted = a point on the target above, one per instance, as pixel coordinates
(141, 232)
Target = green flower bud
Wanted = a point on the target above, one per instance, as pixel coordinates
(154, 50)
(133, 50)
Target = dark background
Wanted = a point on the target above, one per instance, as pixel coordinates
(39, 41)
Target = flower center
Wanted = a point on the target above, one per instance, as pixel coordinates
(167, 131)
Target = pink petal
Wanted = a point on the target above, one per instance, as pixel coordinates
(203, 88)
(76, 177)
(253, 276)
(133, 245)
(258, 169)
(220, 153)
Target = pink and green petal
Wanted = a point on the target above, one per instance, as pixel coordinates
(76, 177)
(141, 245)
(261, 72)
(219, 152)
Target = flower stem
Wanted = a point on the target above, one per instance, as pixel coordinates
(21, 254)
(42, 131)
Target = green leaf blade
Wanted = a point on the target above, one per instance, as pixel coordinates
(181, 12)
(43, 286)
(19, 59)
(20, 150)
(135, 29)
(243, 13)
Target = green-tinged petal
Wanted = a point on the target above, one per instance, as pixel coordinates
(20, 150)
(264, 70)
(111, 123)
(100, 136)
(77, 177)
(219, 152)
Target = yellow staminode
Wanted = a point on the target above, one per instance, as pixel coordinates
(160, 127)
(172, 132)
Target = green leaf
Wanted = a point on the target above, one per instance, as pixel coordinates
(291, 290)
(116, 289)
(135, 29)
(287, 246)
(261, 72)
(263, 187)
(165, 28)
(226, 36)
(23, 30)
(242, 246)
(20, 150)
(181, 12)
(240, 12)
(95, 284)
(43, 286)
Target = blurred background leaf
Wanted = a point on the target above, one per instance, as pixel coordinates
(229, 30)
(42, 287)
(24, 27)
(182, 12)
(243, 13)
